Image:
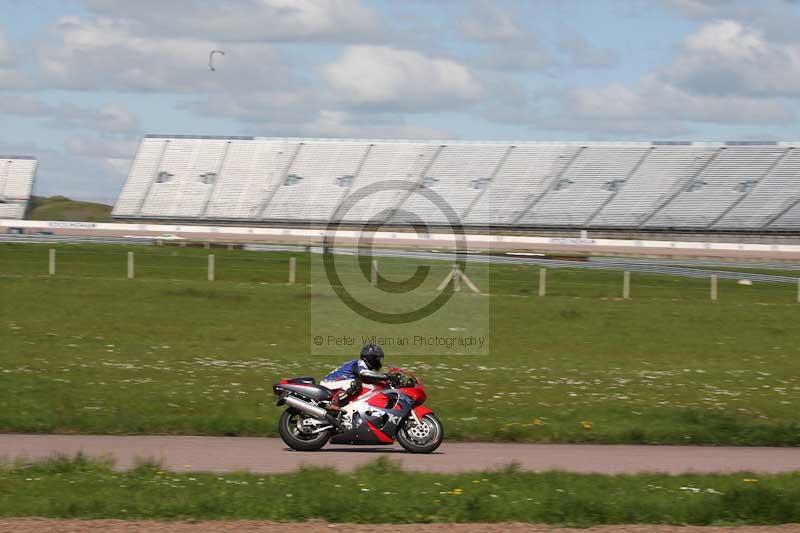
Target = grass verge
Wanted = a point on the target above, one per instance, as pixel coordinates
(383, 493)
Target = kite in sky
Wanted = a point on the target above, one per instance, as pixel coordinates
(211, 58)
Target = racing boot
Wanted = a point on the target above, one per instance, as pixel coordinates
(335, 406)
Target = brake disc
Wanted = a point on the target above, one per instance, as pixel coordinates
(419, 431)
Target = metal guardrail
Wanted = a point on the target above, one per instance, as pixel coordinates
(609, 264)
(314, 233)
(275, 248)
(766, 265)
(649, 266)
(74, 239)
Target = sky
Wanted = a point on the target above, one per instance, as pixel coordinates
(82, 80)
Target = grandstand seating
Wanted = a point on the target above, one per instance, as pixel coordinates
(521, 179)
(16, 185)
(728, 177)
(661, 172)
(457, 174)
(771, 201)
(387, 163)
(321, 174)
(584, 185)
(746, 186)
(252, 170)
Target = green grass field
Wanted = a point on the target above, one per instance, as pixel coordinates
(169, 352)
(381, 492)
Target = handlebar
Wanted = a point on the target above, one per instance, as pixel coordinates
(400, 379)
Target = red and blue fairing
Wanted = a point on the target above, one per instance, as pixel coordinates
(378, 413)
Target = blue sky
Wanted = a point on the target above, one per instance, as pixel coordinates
(83, 80)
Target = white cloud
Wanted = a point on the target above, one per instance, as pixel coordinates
(652, 101)
(249, 20)
(582, 54)
(10, 75)
(108, 159)
(528, 58)
(701, 8)
(512, 103)
(489, 21)
(304, 114)
(777, 18)
(260, 106)
(508, 43)
(103, 148)
(396, 79)
(5, 49)
(104, 53)
(334, 123)
(728, 57)
(726, 73)
(22, 105)
(110, 118)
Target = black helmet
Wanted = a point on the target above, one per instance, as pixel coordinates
(372, 354)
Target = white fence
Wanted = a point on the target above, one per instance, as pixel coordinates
(407, 238)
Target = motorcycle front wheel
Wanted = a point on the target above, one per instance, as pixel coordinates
(298, 435)
(422, 437)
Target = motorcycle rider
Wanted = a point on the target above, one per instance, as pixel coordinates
(346, 379)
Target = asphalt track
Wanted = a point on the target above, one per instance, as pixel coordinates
(263, 455)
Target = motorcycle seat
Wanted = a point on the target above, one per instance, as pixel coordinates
(304, 380)
(315, 392)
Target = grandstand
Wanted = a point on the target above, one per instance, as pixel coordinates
(642, 186)
(16, 185)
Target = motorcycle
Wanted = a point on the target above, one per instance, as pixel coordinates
(380, 413)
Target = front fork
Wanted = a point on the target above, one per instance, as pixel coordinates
(418, 412)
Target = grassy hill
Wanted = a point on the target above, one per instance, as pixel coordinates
(62, 208)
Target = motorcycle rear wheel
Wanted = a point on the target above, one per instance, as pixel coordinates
(421, 440)
(296, 439)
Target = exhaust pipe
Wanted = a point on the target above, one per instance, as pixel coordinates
(307, 408)
(316, 412)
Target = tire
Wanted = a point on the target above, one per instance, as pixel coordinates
(294, 438)
(416, 442)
